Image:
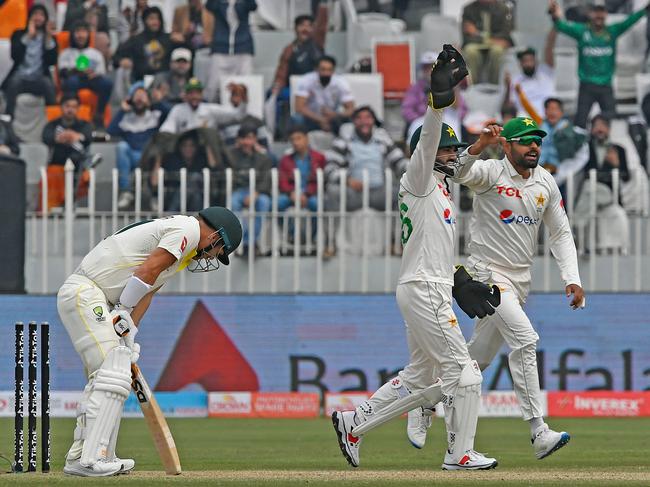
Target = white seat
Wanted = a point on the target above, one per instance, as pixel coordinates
(436, 30)
(484, 98)
(5, 58)
(453, 8)
(566, 83)
(367, 27)
(255, 85)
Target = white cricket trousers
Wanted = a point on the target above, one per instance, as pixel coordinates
(509, 324)
(436, 345)
(84, 311)
(223, 65)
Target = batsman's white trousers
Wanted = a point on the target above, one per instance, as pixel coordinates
(84, 311)
(436, 344)
(509, 324)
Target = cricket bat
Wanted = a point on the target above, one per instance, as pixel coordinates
(156, 422)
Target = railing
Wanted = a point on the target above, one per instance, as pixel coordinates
(319, 258)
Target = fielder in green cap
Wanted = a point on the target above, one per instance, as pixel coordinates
(512, 197)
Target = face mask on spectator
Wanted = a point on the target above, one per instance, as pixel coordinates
(325, 80)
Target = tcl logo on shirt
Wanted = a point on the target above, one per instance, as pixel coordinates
(508, 217)
(506, 191)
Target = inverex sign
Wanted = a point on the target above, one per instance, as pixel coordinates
(336, 343)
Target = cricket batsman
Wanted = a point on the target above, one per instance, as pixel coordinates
(512, 197)
(101, 302)
(424, 296)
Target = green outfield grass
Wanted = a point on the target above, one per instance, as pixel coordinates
(305, 452)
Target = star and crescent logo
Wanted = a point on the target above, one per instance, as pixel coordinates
(451, 132)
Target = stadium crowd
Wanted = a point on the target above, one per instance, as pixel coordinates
(144, 96)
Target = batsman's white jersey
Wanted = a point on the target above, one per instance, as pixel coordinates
(426, 275)
(88, 295)
(508, 211)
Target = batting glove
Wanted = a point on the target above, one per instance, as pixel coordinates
(126, 330)
(474, 297)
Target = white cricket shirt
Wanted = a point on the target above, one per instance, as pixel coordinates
(427, 213)
(508, 211)
(112, 262)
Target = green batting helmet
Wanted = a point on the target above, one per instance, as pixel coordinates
(448, 138)
(227, 225)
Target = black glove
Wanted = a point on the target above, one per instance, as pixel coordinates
(473, 297)
(447, 72)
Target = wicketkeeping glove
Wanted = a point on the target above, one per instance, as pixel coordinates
(447, 72)
(126, 330)
(474, 297)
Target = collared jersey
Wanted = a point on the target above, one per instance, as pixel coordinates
(427, 213)
(112, 262)
(508, 211)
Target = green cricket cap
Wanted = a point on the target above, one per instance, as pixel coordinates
(520, 126)
(448, 138)
(226, 223)
(193, 84)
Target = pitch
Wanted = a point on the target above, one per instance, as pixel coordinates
(305, 452)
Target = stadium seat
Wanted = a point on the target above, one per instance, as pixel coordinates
(5, 58)
(453, 8)
(630, 55)
(566, 87)
(255, 85)
(484, 98)
(367, 27)
(29, 117)
(14, 16)
(436, 30)
(53, 112)
(394, 58)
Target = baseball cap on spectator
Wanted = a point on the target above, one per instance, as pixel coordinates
(526, 51)
(193, 84)
(428, 57)
(598, 5)
(138, 85)
(181, 53)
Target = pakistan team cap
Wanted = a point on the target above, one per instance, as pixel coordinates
(227, 225)
(520, 126)
(448, 138)
(193, 84)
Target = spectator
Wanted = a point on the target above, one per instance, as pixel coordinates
(195, 113)
(8, 139)
(67, 137)
(307, 161)
(302, 55)
(135, 123)
(33, 51)
(604, 155)
(187, 26)
(362, 146)
(227, 32)
(190, 155)
(131, 22)
(597, 57)
(323, 98)
(536, 81)
(239, 96)
(147, 52)
(95, 14)
(246, 155)
(486, 28)
(81, 66)
(172, 82)
(415, 102)
(564, 151)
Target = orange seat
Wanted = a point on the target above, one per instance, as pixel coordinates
(14, 16)
(53, 112)
(394, 60)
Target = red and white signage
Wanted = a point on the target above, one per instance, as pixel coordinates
(343, 401)
(598, 404)
(230, 404)
(263, 405)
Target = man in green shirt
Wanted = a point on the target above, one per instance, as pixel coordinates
(596, 56)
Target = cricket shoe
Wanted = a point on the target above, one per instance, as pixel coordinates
(128, 464)
(343, 423)
(102, 468)
(419, 422)
(471, 460)
(546, 441)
